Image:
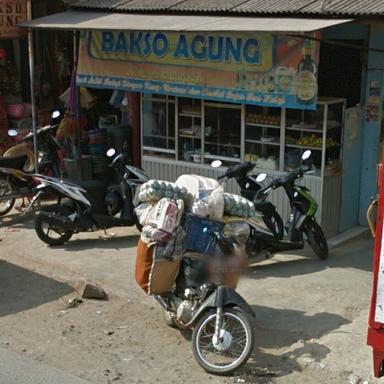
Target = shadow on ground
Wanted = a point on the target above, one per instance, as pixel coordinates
(17, 219)
(102, 242)
(358, 255)
(21, 289)
(293, 335)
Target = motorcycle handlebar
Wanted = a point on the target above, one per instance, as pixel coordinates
(236, 170)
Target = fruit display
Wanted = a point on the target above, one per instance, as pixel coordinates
(315, 141)
(259, 118)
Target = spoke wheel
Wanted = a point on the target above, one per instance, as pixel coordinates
(233, 347)
(5, 189)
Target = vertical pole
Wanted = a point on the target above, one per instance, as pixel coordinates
(77, 116)
(32, 76)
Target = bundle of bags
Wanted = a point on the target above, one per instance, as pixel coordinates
(162, 203)
(154, 190)
(235, 205)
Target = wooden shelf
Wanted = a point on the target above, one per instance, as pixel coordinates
(222, 145)
(262, 125)
(304, 147)
(198, 115)
(263, 142)
(190, 136)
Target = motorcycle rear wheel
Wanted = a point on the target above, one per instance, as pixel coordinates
(317, 240)
(44, 230)
(6, 205)
(236, 333)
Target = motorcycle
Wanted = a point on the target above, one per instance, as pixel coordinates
(302, 224)
(90, 205)
(206, 302)
(250, 186)
(15, 182)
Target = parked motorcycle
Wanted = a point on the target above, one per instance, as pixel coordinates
(204, 301)
(89, 205)
(302, 224)
(15, 182)
(250, 187)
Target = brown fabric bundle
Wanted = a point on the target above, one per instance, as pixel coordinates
(154, 275)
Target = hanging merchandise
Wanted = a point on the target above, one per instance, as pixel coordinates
(67, 128)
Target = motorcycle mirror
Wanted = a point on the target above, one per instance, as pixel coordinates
(261, 177)
(111, 152)
(216, 163)
(307, 154)
(12, 133)
(55, 114)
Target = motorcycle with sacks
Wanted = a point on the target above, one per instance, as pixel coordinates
(302, 224)
(191, 265)
(17, 172)
(90, 205)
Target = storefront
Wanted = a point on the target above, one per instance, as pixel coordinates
(229, 96)
(249, 95)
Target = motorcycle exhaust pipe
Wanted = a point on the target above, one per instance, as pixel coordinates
(57, 221)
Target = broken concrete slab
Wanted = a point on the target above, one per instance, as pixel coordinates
(90, 290)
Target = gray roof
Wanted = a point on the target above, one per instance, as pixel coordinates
(241, 7)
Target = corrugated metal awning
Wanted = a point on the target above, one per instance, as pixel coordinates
(82, 20)
(328, 8)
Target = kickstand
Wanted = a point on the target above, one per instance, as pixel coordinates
(109, 235)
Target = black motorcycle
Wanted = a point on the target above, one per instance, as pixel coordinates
(250, 187)
(204, 299)
(89, 205)
(302, 224)
(15, 182)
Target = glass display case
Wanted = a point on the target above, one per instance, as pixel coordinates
(320, 131)
(276, 138)
(263, 137)
(222, 133)
(190, 130)
(158, 121)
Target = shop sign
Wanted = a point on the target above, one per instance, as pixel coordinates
(12, 13)
(252, 68)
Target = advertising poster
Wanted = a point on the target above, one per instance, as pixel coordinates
(248, 68)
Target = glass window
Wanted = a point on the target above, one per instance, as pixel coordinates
(190, 130)
(158, 126)
(262, 136)
(305, 130)
(222, 134)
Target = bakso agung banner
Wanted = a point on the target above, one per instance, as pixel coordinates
(251, 68)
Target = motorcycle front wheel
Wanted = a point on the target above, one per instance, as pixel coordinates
(53, 235)
(233, 347)
(317, 240)
(5, 189)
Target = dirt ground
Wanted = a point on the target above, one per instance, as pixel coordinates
(311, 316)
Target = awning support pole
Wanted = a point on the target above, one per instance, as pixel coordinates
(32, 76)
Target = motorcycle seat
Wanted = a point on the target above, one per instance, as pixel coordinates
(16, 162)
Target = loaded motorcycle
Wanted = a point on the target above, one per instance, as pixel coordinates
(15, 182)
(89, 205)
(302, 224)
(207, 302)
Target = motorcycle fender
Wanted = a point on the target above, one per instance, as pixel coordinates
(223, 297)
